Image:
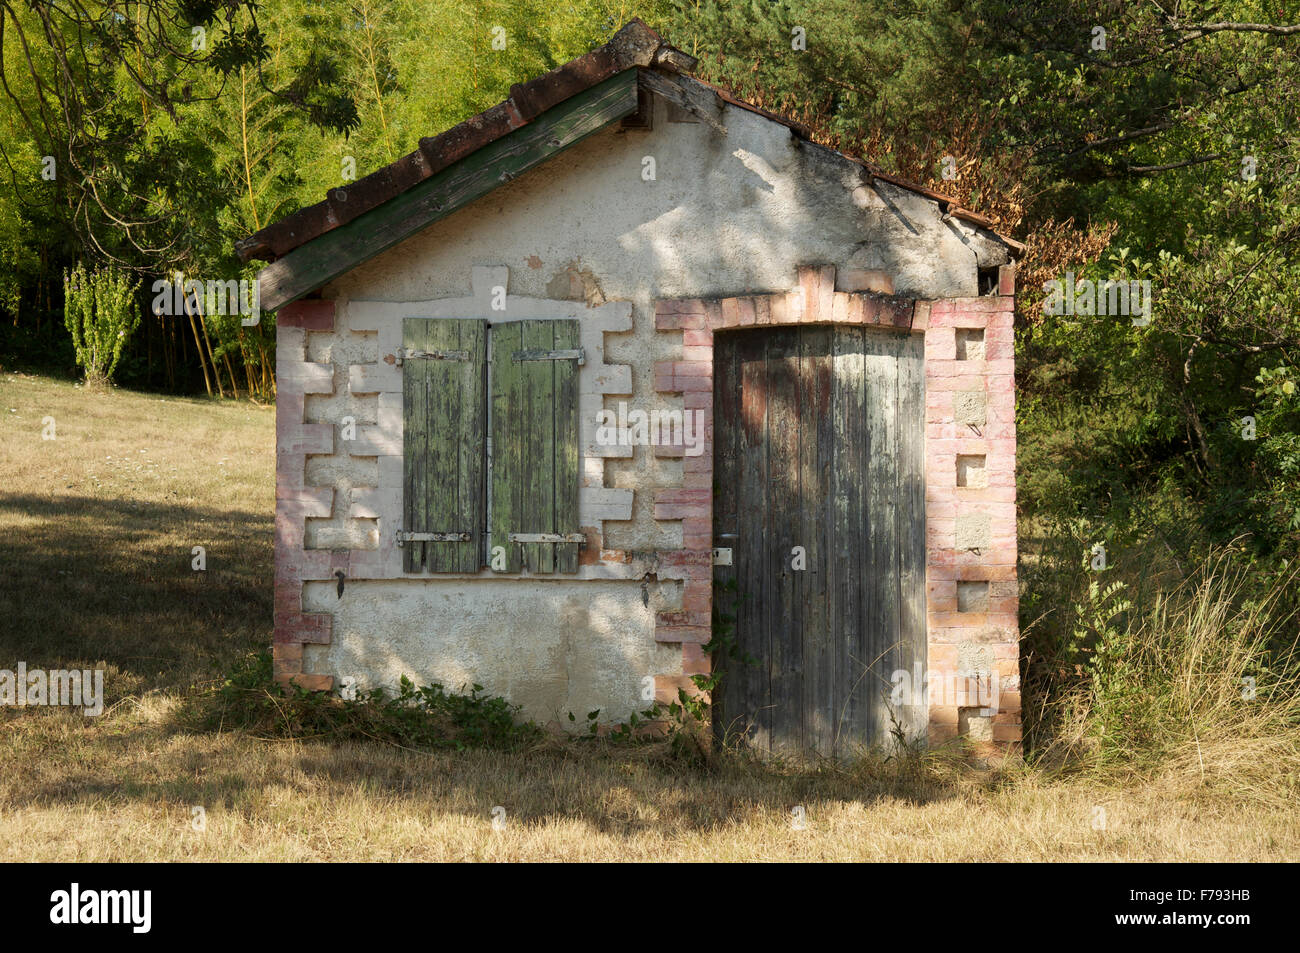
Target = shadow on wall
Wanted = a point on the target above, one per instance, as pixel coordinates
(803, 200)
(90, 580)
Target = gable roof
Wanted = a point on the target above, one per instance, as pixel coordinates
(542, 117)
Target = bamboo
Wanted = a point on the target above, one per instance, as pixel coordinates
(199, 345)
(212, 358)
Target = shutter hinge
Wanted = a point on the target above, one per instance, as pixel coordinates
(573, 354)
(547, 537)
(413, 354)
(404, 537)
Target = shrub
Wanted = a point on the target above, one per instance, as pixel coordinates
(426, 718)
(99, 310)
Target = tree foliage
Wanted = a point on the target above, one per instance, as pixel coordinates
(1149, 141)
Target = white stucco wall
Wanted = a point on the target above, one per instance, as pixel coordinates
(551, 646)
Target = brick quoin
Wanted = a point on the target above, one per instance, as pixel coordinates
(294, 501)
(992, 634)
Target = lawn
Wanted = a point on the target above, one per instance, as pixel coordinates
(97, 528)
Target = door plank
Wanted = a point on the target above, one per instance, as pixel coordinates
(726, 525)
(784, 520)
(538, 437)
(755, 574)
(415, 439)
(851, 523)
(877, 649)
(815, 534)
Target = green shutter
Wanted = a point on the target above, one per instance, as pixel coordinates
(443, 372)
(535, 443)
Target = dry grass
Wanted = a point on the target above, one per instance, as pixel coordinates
(1194, 679)
(98, 524)
(1189, 699)
(96, 538)
(125, 789)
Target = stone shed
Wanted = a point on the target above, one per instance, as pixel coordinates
(623, 379)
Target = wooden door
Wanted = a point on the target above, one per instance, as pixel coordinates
(819, 444)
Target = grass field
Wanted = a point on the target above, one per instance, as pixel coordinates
(96, 532)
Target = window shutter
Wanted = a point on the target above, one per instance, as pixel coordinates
(444, 362)
(535, 443)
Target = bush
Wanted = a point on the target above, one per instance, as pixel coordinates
(427, 718)
(100, 311)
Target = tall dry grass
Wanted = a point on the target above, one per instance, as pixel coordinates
(1191, 685)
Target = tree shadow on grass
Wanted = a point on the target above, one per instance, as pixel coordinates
(619, 792)
(86, 580)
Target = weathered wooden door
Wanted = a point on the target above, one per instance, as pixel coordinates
(820, 473)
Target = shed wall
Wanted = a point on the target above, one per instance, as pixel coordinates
(584, 236)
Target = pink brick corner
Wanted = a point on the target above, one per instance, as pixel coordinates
(295, 502)
(311, 314)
